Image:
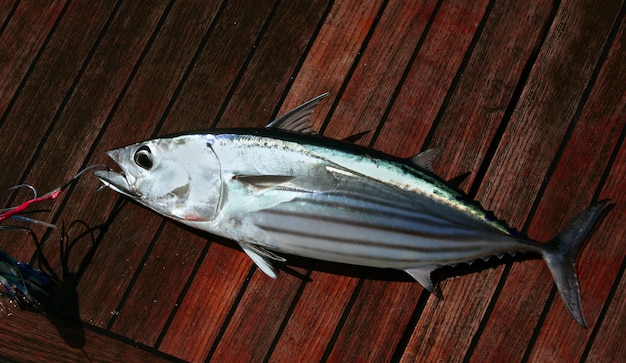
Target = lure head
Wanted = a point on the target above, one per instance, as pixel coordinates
(178, 177)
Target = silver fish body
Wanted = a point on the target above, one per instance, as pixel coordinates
(274, 190)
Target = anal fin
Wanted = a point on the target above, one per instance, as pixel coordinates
(422, 275)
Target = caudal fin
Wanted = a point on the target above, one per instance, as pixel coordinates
(560, 255)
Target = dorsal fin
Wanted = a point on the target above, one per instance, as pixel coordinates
(298, 119)
(425, 158)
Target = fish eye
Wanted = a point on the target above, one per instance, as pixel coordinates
(143, 157)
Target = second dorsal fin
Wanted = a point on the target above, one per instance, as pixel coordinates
(425, 158)
(298, 119)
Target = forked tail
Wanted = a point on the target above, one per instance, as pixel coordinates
(560, 255)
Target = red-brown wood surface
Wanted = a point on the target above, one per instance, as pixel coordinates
(526, 97)
(22, 42)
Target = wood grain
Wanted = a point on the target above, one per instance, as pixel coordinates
(55, 340)
(603, 342)
(21, 42)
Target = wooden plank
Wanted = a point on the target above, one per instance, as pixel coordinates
(605, 342)
(6, 11)
(380, 68)
(264, 302)
(422, 94)
(536, 126)
(147, 99)
(332, 55)
(448, 322)
(102, 281)
(169, 264)
(599, 265)
(311, 326)
(107, 280)
(92, 98)
(218, 68)
(26, 123)
(113, 261)
(273, 65)
(234, 62)
(206, 306)
(382, 306)
(485, 87)
(549, 101)
(608, 343)
(30, 337)
(20, 41)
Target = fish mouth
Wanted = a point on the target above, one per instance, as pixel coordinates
(116, 181)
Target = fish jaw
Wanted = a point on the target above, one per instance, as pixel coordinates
(122, 181)
(117, 182)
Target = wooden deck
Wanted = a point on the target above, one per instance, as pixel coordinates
(528, 97)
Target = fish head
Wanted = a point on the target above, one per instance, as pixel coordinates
(179, 177)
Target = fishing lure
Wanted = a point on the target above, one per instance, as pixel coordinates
(284, 189)
(21, 281)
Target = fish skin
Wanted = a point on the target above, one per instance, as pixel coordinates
(328, 200)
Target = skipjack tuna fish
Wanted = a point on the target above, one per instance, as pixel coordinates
(284, 189)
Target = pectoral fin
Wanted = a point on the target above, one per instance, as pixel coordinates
(261, 257)
(263, 181)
